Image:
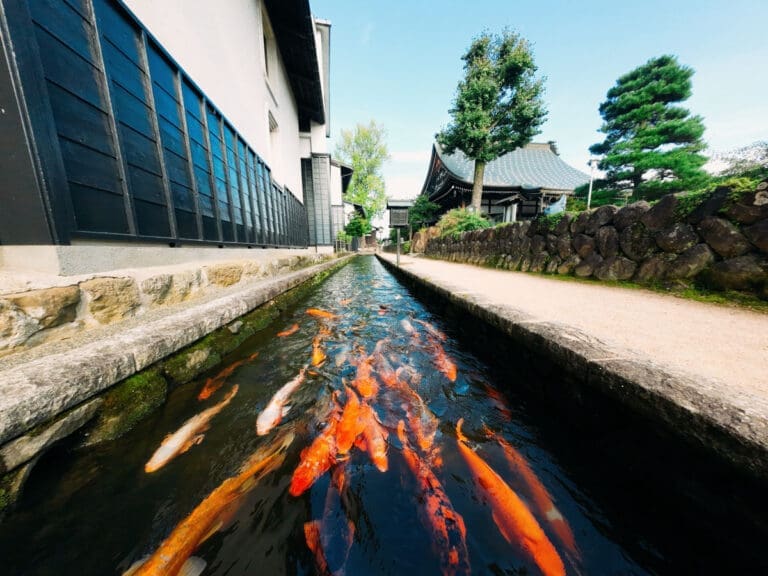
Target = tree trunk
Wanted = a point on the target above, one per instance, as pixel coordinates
(477, 188)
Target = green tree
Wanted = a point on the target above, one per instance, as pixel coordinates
(422, 212)
(365, 150)
(358, 227)
(498, 105)
(652, 146)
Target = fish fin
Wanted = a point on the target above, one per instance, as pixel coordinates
(285, 410)
(135, 566)
(500, 525)
(193, 567)
(215, 528)
(194, 441)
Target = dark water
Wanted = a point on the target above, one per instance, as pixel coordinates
(96, 512)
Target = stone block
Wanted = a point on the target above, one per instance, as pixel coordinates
(600, 217)
(615, 268)
(228, 274)
(569, 264)
(607, 240)
(583, 245)
(662, 214)
(724, 237)
(50, 307)
(654, 268)
(637, 242)
(630, 214)
(156, 288)
(579, 224)
(676, 238)
(588, 265)
(758, 235)
(749, 208)
(111, 299)
(690, 263)
(748, 272)
(564, 247)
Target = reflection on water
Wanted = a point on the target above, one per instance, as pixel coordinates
(359, 467)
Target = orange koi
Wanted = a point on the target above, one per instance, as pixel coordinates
(437, 514)
(312, 536)
(374, 438)
(318, 313)
(349, 425)
(346, 301)
(538, 494)
(213, 384)
(512, 518)
(364, 383)
(173, 556)
(292, 330)
(498, 401)
(190, 434)
(317, 458)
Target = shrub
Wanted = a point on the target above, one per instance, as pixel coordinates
(459, 220)
(406, 248)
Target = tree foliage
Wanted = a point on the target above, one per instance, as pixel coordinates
(498, 105)
(422, 213)
(652, 146)
(365, 150)
(358, 227)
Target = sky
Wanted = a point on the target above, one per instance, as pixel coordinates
(398, 63)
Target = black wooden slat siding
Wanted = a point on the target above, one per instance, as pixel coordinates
(140, 150)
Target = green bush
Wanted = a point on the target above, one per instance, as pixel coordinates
(406, 248)
(459, 220)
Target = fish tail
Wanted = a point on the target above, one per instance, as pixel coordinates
(459, 436)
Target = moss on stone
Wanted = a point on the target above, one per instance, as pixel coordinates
(10, 487)
(128, 403)
(184, 366)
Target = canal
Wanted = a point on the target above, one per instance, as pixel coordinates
(387, 443)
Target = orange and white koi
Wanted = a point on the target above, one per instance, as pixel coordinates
(512, 517)
(318, 313)
(538, 494)
(442, 361)
(446, 526)
(277, 407)
(287, 332)
(173, 556)
(439, 334)
(190, 434)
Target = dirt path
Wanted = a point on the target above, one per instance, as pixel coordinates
(726, 345)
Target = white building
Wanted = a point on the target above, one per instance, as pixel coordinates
(173, 122)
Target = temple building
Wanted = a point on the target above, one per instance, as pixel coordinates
(520, 185)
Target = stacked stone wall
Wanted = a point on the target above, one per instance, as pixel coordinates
(720, 242)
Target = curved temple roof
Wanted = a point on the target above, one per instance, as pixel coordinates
(535, 166)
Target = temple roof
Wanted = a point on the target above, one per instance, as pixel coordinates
(535, 166)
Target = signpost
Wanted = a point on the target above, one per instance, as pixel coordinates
(398, 218)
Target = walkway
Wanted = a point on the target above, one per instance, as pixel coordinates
(712, 352)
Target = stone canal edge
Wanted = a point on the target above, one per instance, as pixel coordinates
(729, 428)
(120, 379)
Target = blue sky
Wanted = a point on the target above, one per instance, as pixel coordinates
(398, 62)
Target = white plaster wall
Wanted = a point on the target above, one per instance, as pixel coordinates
(336, 195)
(220, 46)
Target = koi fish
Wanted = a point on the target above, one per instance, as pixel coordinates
(190, 434)
(512, 518)
(346, 301)
(349, 424)
(443, 363)
(408, 328)
(292, 330)
(436, 513)
(439, 334)
(364, 383)
(539, 495)
(373, 439)
(318, 313)
(330, 539)
(498, 401)
(173, 556)
(277, 409)
(318, 356)
(213, 384)
(317, 458)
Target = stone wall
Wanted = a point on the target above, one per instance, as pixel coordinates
(719, 241)
(31, 317)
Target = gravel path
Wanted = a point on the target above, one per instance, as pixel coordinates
(725, 345)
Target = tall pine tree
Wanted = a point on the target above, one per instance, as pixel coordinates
(652, 146)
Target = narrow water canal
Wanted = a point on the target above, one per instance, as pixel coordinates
(359, 466)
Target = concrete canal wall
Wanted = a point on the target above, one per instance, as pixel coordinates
(571, 366)
(719, 241)
(101, 383)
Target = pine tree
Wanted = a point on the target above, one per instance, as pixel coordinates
(652, 146)
(498, 105)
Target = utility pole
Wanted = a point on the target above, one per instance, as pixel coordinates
(398, 247)
(592, 162)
